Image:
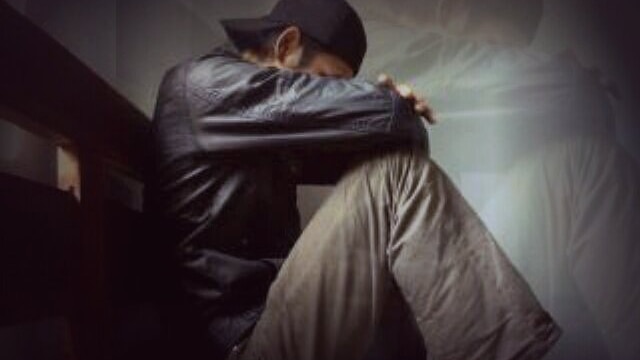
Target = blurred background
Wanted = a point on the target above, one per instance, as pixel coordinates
(537, 103)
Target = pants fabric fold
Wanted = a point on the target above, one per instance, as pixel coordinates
(396, 225)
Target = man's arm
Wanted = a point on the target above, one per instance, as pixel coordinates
(235, 106)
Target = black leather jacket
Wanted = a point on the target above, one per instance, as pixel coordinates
(232, 141)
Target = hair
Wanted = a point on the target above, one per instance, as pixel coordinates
(267, 40)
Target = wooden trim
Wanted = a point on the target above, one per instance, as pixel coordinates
(61, 96)
(47, 90)
(93, 307)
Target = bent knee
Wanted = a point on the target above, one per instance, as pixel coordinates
(390, 172)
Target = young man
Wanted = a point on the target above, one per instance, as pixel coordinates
(235, 132)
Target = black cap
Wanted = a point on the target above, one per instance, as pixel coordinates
(334, 24)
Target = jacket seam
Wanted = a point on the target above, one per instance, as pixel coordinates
(394, 112)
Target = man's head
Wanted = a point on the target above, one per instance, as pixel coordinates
(289, 48)
(324, 37)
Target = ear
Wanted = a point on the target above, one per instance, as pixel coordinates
(288, 47)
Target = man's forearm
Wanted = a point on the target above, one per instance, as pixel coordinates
(237, 106)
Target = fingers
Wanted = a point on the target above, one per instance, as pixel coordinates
(423, 109)
(420, 105)
(425, 112)
(406, 92)
(385, 80)
(403, 89)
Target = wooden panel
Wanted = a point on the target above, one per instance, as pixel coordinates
(93, 306)
(45, 89)
(61, 96)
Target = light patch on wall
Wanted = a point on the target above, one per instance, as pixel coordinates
(68, 171)
(478, 187)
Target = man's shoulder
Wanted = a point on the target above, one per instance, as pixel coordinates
(195, 72)
(218, 56)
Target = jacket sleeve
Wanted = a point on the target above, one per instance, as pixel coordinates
(236, 106)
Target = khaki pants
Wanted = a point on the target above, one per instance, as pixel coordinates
(396, 226)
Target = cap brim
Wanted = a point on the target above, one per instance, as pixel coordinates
(246, 33)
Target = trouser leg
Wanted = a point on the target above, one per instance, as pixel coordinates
(397, 218)
(329, 294)
(397, 335)
(468, 300)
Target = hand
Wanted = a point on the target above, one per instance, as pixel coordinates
(420, 105)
